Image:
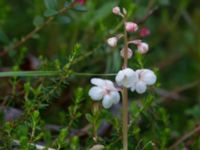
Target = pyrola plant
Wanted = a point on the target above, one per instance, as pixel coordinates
(126, 78)
(134, 80)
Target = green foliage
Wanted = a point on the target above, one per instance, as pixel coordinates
(43, 73)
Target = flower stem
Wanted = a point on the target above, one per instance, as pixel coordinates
(125, 118)
(125, 94)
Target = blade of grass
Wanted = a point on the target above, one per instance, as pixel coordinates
(46, 73)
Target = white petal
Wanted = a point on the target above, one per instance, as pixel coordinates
(115, 97)
(109, 84)
(126, 77)
(140, 87)
(107, 101)
(96, 93)
(138, 71)
(143, 48)
(119, 78)
(130, 53)
(149, 77)
(133, 87)
(98, 82)
(130, 77)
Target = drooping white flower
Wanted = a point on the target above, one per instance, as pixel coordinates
(112, 41)
(126, 77)
(130, 53)
(145, 77)
(104, 89)
(143, 47)
(140, 87)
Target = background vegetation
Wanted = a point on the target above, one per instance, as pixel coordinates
(56, 111)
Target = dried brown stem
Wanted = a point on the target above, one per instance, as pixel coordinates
(125, 94)
(184, 137)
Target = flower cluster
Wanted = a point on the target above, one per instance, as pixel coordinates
(137, 80)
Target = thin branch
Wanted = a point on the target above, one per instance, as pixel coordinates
(176, 93)
(148, 14)
(184, 137)
(34, 31)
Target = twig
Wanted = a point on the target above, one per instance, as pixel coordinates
(175, 94)
(169, 61)
(148, 14)
(37, 29)
(168, 94)
(187, 86)
(184, 137)
(125, 94)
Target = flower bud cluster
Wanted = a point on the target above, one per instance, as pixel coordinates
(130, 27)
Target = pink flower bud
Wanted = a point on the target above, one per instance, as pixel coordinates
(131, 27)
(144, 32)
(82, 2)
(143, 48)
(130, 53)
(116, 10)
(112, 41)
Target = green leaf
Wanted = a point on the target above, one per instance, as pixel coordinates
(64, 19)
(66, 4)
(80, 8)
(3, 37)
(51, 4)
(50, 12)
(89, 117)
(38, 21)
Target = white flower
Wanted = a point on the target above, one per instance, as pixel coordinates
(112, 41)
(104, 89)
(140, 87)
(145, 77)
(130, 53)
(143, 48)
(126, 77)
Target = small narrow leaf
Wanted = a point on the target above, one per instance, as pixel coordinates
(51, 4)
(80, 8)
(66, 4)
(64, 19)
(3, 37)
(38, 21)
(50, 12)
